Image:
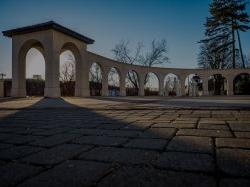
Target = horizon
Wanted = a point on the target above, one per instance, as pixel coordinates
(180, 23)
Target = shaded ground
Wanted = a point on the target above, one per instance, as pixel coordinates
(125, 142)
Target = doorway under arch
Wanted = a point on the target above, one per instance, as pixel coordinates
(242, 84)
(34, 72)
(67, 73)
(151, 85)
(193, 85)
(217, 85)
(172, 85)
(95, 80)
(132, 83)
(114, 82)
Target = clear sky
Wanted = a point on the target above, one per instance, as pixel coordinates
(110, 21)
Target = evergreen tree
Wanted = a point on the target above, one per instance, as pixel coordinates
(228, 17)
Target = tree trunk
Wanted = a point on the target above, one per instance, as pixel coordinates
(233, 35)
(241, 53)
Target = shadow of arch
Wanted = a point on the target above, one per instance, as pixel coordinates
(150, 148)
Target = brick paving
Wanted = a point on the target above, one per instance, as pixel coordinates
(100, 143)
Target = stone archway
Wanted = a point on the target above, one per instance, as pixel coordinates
(172, 85)
(19, 67)
(217, 84)
(96, 79)
(151, 84)
(114, 82)
(132, 83)
(69, 46)
(51, 39)
(241, 84)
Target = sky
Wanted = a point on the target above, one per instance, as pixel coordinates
(108, 22)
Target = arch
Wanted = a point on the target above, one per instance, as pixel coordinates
(132, 83)
(35, 81)
(67, 73)
(70, 87)
(151, 84)
(95, 79)
(29, 86)
(217, 84)
(172, 85)
(193, 85)
(114, 77)
(241, 84)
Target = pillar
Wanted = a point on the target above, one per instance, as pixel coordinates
(1, 88)
(230, 86)
(122, 84)
(205, 86)
(161, 86)
(18, 88)
(82, 76)
(182, 85)
(105, 90)
(52, 84)
(141, 84)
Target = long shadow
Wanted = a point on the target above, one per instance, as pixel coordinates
(182, 103)
(127, 99)
(135, 149)
(196, 104)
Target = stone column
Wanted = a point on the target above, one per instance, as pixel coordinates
(141, 83)
(122, 84)
(1, 88)
(161, 86)
(85, 91)
(182, 85)
(18, 71)
(52, 84)
(205, 86)
(105, 90)
(82, 76)
(230, 86)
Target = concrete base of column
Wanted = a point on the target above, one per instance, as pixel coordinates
(1, 88)
(123, 93)
(52, 92)
(82, 92)
(105, 93)
(205, 93)
(230, 93)
(141, 93)
(18, 92)
(161, 93)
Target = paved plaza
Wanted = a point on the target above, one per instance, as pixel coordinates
(125, 142)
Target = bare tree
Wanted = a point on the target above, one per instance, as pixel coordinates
(67, 76)
(157, 55)
(95, 73)
(67, 72)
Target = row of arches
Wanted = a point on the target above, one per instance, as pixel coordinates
(217, 84)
